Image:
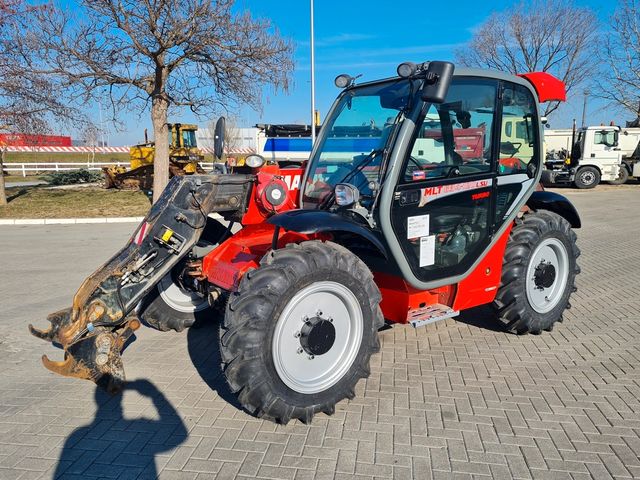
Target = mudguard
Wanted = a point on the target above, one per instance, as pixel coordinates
(94, 330)
(321, 221)
(554, 202)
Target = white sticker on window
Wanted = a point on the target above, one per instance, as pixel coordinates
(427, 250)
(417, 226)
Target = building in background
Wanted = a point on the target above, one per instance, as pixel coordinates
(27, 140)
(282, 142)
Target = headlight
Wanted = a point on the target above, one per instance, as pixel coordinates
(346, 194)
(407, 69)
(343, 80)
(254, 161)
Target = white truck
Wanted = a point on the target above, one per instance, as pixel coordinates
(594, 157)
(629, 145)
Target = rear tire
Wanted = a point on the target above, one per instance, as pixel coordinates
(587, 178)
(623, 176)
(538, 273)
(168, 307)
(300, 331)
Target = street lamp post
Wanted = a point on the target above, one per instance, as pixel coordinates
(584, 107)
(313, 85)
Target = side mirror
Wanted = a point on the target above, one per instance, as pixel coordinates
(218, 139)
(436, 82)
(616, 139)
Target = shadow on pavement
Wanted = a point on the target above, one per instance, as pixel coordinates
(482, 317)
(118, 445)
(203, 345)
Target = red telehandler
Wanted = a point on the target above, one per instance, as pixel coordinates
(386, 221)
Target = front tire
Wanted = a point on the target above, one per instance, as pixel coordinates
(587, 178)
(538, 273)
(300, 331)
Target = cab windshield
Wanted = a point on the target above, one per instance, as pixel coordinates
(353, 140)
(188, 138)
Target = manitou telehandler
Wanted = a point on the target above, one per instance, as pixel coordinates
(385, 222)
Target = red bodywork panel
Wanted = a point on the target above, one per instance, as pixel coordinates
(226, 265)
(398, 297)
(481, 285)
(548, 87)
(258, 211)
(479, 288)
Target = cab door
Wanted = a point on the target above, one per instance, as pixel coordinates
(519, 157)
(603, 151)
(442, 210)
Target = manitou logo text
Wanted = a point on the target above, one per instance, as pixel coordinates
(431, 193)
(293, 183)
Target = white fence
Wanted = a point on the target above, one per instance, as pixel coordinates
(39, 167)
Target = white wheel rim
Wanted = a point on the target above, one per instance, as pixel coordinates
(179, 299)
(305, 373)
(550, 251)
(587, 177)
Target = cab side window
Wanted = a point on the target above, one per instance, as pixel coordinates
(518, 143)
(604, 137)
(455, 136)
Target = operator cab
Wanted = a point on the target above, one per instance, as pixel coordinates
(437, 181)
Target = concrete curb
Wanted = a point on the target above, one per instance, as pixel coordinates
(67, 221)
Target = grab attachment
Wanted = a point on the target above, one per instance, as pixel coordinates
(96, 356)
(94, 331)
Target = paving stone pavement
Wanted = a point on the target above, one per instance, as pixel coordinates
(458, 399)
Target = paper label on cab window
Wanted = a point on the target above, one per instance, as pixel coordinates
(417, 226)
(427, 250)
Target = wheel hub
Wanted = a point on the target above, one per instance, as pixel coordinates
(544, 275)
(317, 336)
(587, 177)
(547, 275)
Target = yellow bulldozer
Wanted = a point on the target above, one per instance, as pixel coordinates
(184, 159)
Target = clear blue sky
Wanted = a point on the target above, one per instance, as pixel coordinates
(370, 37)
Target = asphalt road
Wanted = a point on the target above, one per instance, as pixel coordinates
(459, 398)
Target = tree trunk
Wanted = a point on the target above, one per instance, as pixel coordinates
(159, 109)
(3, 193)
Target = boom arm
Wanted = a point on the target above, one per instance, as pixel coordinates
(95, 329)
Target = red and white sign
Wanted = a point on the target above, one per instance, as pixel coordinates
(429, 194)
(38, 149)
(141, 233)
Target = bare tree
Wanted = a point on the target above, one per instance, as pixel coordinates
(90, 137)
(157, 55)
(28, 102)
(620, 56)
(551, 36)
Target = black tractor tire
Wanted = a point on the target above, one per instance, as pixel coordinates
(256, 309)
(160, 312)
(623, 176)
(587, 178)
(513, 304)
